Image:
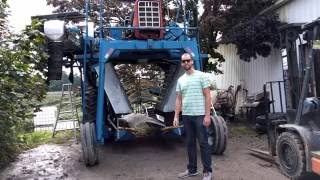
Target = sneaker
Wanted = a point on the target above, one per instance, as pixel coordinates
(207, 176)
(186, 174)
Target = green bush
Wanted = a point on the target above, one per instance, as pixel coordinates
(22, 82)
(33, 139)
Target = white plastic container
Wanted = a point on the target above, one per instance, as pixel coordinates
(54, 30)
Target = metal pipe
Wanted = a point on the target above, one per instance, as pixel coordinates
(100, 99)
(184, 20)
(114, 126)
(280, 94)
(84, 86)
(274, 7)
(305, 80)
(152, 28)
(283, 73)
(272, 99)
(118, 133)
(100, 19)
(313, 78)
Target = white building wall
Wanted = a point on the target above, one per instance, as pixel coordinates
(299, 11)
(232, 68)
(261, 70)
(251, 75)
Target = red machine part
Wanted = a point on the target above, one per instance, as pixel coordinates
(315, 162)
(148, 15)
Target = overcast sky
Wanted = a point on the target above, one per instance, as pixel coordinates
(22, 10)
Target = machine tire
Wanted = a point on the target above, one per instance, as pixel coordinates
(217, 135)
(91, 104)
(291, 155)
(88, 143)
(91, 95)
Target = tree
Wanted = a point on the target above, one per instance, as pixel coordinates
(223, 22)
(3, 19)
(22, 80)
(111, 8)
(239, 23)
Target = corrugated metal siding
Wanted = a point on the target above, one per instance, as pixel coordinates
(255, 74)
(300, 11)
(252, 75)
(262, 70)
(232, 68)
(233, 72)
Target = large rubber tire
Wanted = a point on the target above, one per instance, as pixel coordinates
(218, 135)
(91, 94)
(291, 155)
(88, 144)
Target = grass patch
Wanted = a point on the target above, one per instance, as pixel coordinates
(63, 137)
(241, 130)
(53, 99)
(31, 140)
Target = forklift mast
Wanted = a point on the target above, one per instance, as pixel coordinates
(302, 58)
(296, 140)
(310, 86)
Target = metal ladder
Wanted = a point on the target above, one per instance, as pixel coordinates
(66, 91)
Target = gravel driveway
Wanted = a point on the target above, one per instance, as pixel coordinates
(149, 158)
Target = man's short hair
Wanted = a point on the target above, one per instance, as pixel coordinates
(190, 55)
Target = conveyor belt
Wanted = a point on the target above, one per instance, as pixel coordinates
(114, 90)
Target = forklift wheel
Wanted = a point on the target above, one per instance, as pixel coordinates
(217, 135)
(291, 155)
(88, 143)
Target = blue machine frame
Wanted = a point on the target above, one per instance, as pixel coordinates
(109, 50)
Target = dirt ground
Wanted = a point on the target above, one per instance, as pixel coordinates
(148, 158)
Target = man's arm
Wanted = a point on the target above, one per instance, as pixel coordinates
(177, 109)
(207, 96)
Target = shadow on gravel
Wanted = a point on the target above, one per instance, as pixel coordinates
(158, 142)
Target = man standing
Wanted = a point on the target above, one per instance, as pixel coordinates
(193, 96)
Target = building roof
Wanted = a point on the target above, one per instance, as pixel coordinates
(275, 6)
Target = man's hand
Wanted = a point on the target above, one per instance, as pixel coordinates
(176, 122)
(206, 121)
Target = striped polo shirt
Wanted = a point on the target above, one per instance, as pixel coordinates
(191, 89)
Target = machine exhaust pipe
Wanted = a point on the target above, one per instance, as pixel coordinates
(55, 51)
(54, 31)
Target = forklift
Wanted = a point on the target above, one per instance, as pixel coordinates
(294, 136)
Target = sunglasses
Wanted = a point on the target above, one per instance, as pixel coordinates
(186, 60)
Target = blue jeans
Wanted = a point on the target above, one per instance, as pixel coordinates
(195, 129)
